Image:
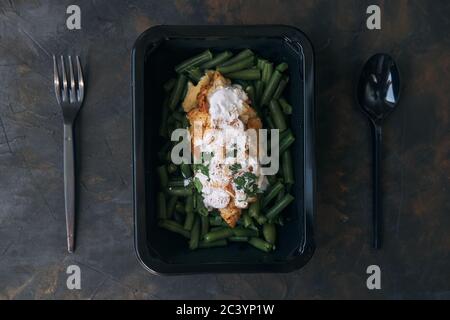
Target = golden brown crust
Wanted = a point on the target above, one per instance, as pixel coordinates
(231, 214)
(191, 100)
(254, 123)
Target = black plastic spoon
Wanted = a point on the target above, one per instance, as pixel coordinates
(378, 95)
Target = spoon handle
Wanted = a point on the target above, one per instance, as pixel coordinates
(377, 210)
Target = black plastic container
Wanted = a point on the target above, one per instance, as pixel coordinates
(154, 55)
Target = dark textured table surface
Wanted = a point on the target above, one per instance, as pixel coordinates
(415, 260)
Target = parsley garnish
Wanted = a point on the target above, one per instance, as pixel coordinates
(247, 183)
(198, 185)
(202, 168)
(235, 168)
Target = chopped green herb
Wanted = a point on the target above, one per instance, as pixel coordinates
(247, 183)
(198, 185)
(235, 168)
(202, 168)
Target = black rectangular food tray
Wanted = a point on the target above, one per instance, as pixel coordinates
(154, 56)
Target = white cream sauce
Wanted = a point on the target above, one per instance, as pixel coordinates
(226, 105)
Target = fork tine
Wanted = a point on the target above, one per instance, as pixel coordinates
(72, 91)
(65, 96)
(80, 80)
(56, 80)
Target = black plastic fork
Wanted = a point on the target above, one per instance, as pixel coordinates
(69, 92)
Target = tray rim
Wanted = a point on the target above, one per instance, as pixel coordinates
(163, 32)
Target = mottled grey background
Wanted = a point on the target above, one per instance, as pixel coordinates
(415, 260)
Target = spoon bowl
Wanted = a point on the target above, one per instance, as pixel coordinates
(379, 87)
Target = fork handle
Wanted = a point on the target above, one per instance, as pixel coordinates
(69, 185)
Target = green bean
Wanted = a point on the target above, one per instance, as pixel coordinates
(261, 220)
(195, 201)
(170, 128)
(254, 209)
(279, 206)
(216, 221)
(171, 168)
(285, 106)
(164, 118)
(186, 170)
(277, 115)
(282, 67)
(240, 56)
(174, 227)
(176, 183)
(178, 116)
(177, 91)
(179, 125)
(270, 233)
(218, 235)
(179, 207)
(272, 179)
(195, 61)
(264, 84)
(269, 122)
(170, 119)
(189, 221)
(238, 239)
(281, 86)
(161, 205)
(281, 195)
(179, 217)
(259, 88)
(168, 86)
(271, 87)
(217, 60)
(242, 83)
(195, 234)
(163, 176)
(251, 93)
(240, 65)
(220, 243)
(189, 204)
(272, 193)
(267, 73)
(205, 225)
(201, 209)
(247, 220)
(247, 74)
(173, 118)
(194, 74)
(169, 156)
(171, 206)
(214, 229)
(285, 133)
(183, 95)
(260, 63)
(241, 232)
(261, 244)
(288, 169)
(180, 191)
(286, 142)
(185, 123)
